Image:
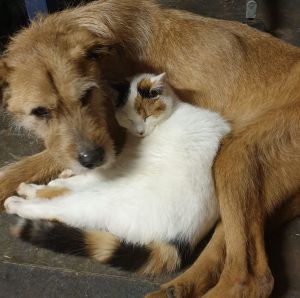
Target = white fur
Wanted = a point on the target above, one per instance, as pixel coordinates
(159, 189)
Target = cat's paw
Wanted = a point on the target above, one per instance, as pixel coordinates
(32, 209)
(28, 191)
(66, 174)
(59, 182)
(12, 204)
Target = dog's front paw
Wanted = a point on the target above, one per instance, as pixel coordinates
(12, 204)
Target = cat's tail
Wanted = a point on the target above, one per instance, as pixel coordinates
(154, 258)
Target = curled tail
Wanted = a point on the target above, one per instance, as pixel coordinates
(154, 258)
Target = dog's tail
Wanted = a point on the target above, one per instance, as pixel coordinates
(153, 258)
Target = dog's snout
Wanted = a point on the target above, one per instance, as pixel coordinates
(92, 158)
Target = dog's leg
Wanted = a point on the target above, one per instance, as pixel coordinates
(238, 190)
(40, 167)
(202, 275)
(254, 173)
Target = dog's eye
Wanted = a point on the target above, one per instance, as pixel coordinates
(92, 55)
(41, 112)
(86, 97)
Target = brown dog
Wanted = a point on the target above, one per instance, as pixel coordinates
(52, 82)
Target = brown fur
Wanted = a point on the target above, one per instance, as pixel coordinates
(100, 245)
(251, 78)
(46, 192)
(145, 84)
(164, 257)
(51, 192)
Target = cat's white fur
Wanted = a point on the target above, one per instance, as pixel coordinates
(160, 188)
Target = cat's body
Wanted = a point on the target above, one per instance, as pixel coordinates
(160, 189)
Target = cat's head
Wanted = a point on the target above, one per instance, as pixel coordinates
(144, 103)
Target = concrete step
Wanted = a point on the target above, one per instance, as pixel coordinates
(30, 272)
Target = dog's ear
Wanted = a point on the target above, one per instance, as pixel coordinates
(4, 70)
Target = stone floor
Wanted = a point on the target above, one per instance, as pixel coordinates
(26, 271)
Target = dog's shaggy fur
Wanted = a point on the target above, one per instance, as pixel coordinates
(251, 78)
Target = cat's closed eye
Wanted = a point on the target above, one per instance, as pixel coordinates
(147, 117)
(150, 94)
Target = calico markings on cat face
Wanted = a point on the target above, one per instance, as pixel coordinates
(148, 102)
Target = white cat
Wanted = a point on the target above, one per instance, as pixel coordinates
(157, 200)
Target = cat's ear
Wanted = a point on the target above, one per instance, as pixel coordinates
(122, 89)
(158, 83)
(159, 80)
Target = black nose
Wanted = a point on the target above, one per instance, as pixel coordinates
(91, 158)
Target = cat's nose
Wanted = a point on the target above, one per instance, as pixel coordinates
(141, 132)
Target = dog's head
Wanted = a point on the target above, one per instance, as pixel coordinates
(50, 81)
